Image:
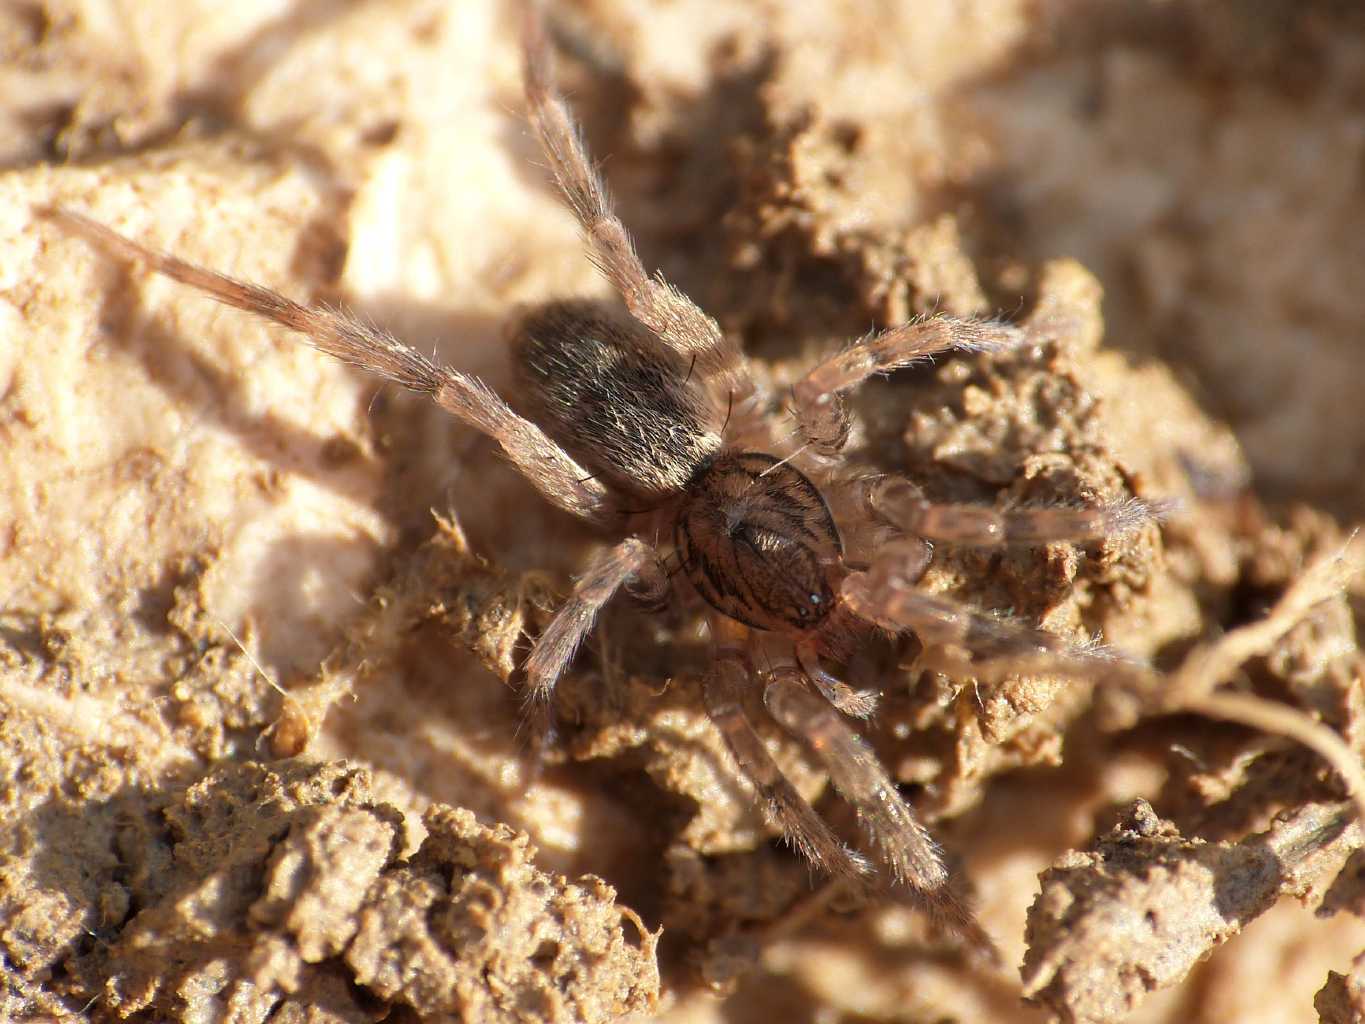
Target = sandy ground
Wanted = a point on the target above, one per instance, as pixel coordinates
(260, 620)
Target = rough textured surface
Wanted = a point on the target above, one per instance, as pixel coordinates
(1342, 999)
(196, 510)
(1137, 913)
(274, 892)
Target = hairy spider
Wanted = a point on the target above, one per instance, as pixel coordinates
(648, 423)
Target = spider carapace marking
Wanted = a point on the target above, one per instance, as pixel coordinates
(630, 429)
(758, 542)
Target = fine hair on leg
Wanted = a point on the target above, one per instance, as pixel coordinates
(560, 479)
(903, 845)
(555, 648)
(821, 418)
(854, 703)
(671, 315)
(968, 642)
(807, 832)
(902, 503)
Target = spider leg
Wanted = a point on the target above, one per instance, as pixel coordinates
(903, 504)
(559, 478)
(821, 417)
(803, 828)
(973, 643)
(902, 843)
(554, 649)
(670, 314)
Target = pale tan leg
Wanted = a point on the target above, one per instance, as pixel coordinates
(803, 828)
(666, 311)
(559, 478)
(854, 703)
(901, 842)
(821, 417)
(554, 649)
(903, 504)
(971, 642)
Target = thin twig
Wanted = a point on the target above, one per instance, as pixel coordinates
(1192, 686)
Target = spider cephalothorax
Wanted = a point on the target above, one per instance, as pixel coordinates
(642, 420)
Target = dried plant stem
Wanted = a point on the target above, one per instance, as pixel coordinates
(1281, 720)
(1192, 686)
(1208, 666)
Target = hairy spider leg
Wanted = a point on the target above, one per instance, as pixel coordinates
(723, 689)
(969, 642)
(903, 504)
(671, 315)
(605, 574)
(821, 417)
(902, 843)
(561, 480)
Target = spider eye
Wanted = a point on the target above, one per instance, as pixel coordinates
(815, 599)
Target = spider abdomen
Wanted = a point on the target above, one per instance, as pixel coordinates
(758, 542)
(618, 402)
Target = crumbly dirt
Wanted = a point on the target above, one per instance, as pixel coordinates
(284, 893)
(259, 733)
(1342, 999)
(1137, 912)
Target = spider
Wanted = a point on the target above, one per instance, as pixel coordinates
(647, 422)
